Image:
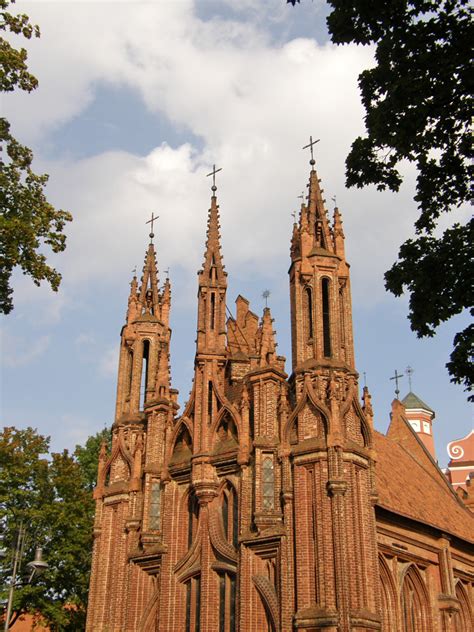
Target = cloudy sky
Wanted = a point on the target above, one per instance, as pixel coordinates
(136, 101)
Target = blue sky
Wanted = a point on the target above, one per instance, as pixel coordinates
(136, 101)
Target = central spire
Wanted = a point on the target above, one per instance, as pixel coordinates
(212, 285)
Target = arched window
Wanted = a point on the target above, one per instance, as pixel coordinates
(230, 514)
(193, 517)
(227, 593)
(268, 483)
(309, 311)
(463, 619)
(193, 606)
(144, 377)
(414, 603)
(326, 318)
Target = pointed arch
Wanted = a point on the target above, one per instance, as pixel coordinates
(268, 596)
(414, 602)
(119, 450)
(326, 314)
(148, 621)
(308, 395)
(190, 536)
(225, 435)
(181, 445)
(388, 596)
(463, 620)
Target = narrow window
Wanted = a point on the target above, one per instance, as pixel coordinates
(230, 515)
(326, 319)
(144, 378)
(213, 310)
(193, 599)
(155, 505)
(309, 302)
(268, 483)
(130, 370)
(209, 402)
(193, 514)
(227, 592)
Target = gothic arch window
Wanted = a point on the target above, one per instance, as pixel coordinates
(308, 295)
(268, 483)
(230, 514)
(129, 371)
(144, 375)
(414, 602)
(463, 619)
(193, 517)
(326, 317)
(227, 599)
(193, 606)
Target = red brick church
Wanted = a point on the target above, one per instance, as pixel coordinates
(270, 504)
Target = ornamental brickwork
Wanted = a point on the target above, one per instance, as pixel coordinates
(270, 504)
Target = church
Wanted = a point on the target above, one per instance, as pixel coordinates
(270, 503)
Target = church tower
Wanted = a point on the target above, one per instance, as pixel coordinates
(328, 436)
(252, 510)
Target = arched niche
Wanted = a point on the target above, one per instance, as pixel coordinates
(183, 446)
(414, 602)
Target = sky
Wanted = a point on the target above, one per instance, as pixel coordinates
(136, 101)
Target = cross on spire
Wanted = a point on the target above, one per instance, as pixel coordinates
(334, 200)
(213, 174)
(151, 221)
(409, 371)
(265, 295)
(396, 377)
(311, 144)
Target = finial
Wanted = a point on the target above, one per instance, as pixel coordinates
(134, 271)
(409, 371)
(213, 174)
(293, 215)
(167, 272)
(151, 221)
(311, 143)
(365, 378)
(334, 200)
(396, 377)
(265, 295)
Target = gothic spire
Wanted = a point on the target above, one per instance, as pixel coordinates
(213, 268)
(148, 293)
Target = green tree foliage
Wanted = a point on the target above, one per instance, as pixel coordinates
(87, 455)
(50, 494)
(418, 103)
(28, 222)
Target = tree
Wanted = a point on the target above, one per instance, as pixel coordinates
(28, 222)
(418, 102)
(51, 495)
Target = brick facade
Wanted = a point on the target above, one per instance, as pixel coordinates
(270, 504)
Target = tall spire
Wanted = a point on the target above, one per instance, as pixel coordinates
(148, 293)
(212, 286)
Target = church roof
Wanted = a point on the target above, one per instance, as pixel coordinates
(413, 401)
(410, 485)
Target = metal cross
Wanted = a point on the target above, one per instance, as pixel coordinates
(167, 272)
(310, 145)
(293, 215)
(301, 197)
(396, 377)
(334, 200)
(266, 294)
(409, 371)
(134, 271)
(151, 221)
(213, 174)
(365, 378)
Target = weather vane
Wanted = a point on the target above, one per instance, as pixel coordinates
(167, 272)
(396, 377)
(213, 174)
(134, 271)
(151, 221)
(409, 371)
(365, 379)
(334, 200)
(311, 144)
(265, 295)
